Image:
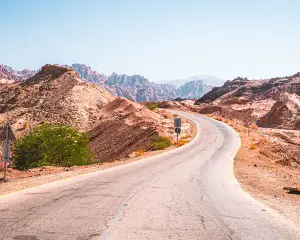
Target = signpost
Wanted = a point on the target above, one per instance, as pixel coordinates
(177, 126)
(7, 136)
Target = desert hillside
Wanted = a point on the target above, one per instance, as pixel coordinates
(270, 103)
(129, 126)
(54, 94)
(117, 126)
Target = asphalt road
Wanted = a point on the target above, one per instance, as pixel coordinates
(189, 193)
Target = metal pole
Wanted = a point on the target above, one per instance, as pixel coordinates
(4, 167)
(6, 142)
(177, 137)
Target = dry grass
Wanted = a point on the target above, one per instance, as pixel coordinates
(218, 118)
(26, 125)
(253, 127)
(185, 136)
(229, 122)
(238, 129)
(252, 146)
(264, 140)
(181, 142)
(139, 152)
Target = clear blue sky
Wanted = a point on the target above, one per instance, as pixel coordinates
(158, 39)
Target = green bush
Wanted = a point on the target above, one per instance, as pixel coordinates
(55, 145)
(160, 143)
(152, 105)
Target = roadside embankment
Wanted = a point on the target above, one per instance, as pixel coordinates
(18, 180)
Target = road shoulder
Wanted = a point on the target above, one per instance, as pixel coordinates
(44, 175)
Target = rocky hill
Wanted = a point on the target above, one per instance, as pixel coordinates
(193, 90)
(285, 113)
(129, 126)
(56, 94)
(270, 103)
(134, 87)
(248, 90)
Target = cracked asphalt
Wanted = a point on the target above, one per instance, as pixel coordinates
(187, 193)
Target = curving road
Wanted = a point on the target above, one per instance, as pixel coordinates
(188, 193)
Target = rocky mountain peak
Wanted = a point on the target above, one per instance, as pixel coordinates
(240, 79)
(88, 74)
(8, 73)
(193, 89)
(50, 73)
(126, 80)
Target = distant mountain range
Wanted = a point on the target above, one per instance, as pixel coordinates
(134, 87)
(8, 73)
(208, 80)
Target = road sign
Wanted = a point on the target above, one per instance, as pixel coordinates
(7, 133)
(177, 126)
(178, 130)
(6, 136)
(177, 122)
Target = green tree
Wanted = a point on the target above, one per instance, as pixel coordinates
(52, 144)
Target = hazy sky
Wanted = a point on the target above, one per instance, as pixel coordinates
(157, 39)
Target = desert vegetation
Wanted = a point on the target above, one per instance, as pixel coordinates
(51, 145)
(160, 143)
(152, 105)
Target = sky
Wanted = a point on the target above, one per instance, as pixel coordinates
(159, 39)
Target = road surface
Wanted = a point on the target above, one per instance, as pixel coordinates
(187, 193)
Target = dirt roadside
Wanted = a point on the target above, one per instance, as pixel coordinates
(264, 165)
(18, 180)
(268, 160)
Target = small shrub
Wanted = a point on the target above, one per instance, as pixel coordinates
(185, 136)
(160, 143)
(26, 124)
(254, 127)
(229, 122)
(139, 152)
(264, 141)
(252, 146)
(56, 145)
(238, 129)
(152, 106)
(182, 142)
